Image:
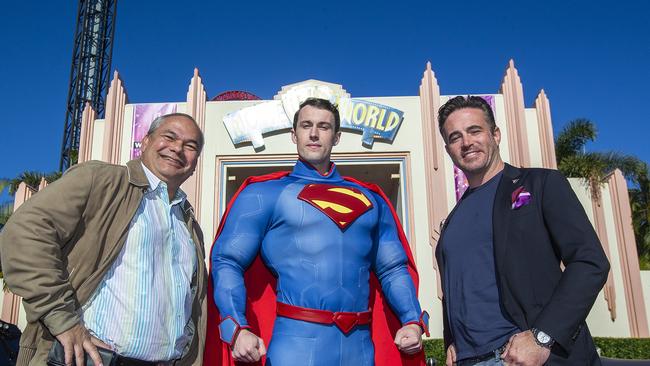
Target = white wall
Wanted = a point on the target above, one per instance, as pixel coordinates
(534, 141)
(645, 284)
(408, 140)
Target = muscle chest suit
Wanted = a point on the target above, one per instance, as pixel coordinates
(321, 237)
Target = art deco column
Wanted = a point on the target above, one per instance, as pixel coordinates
(116, 100)
(196, 100)
(10, 301)
(545, 126)
(513, 96)
(86, 137)
(636, 310)
(433, 160)
(601, 230)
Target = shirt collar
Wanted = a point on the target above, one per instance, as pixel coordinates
(155, 182)
(302, 169)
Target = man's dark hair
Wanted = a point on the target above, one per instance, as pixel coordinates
(460, 102)
(320, 104)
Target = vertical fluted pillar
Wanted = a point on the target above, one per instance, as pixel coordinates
(196, 100)
(11, 301)
(636, 310)
(86, 138)
(513, 96)
(601, 230)
(433, 159)
(545, 126)
(116, 100)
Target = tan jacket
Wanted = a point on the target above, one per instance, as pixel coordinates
(58, 245)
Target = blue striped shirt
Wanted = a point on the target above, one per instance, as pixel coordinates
(143, 305)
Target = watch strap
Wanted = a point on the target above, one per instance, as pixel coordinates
(537, 334)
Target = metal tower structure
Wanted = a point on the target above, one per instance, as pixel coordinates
(90, 71)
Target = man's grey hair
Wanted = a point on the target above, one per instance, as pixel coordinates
(159, 120)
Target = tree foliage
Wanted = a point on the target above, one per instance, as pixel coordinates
(6, 209)
(31, 178)
(574, 161)
(640, 205)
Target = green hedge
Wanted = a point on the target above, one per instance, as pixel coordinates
(435, 348)
(628, 348)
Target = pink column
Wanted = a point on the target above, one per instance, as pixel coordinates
(86, 137)
(433, 160)
(116, 100)
(636, 310)
(196, 99)
(545, 126)
(601, 230)
(10, 301)
(513, 96)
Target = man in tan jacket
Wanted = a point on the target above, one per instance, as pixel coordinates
(111, 256)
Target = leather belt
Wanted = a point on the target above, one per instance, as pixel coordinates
(127, 361)
(346, 321)
(476, 359)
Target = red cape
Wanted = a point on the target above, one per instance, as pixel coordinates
(260, 295)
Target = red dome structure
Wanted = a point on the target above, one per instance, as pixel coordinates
(235, 95)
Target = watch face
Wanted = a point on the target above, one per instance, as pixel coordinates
(543, 337)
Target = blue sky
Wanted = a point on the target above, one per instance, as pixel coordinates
(592, 58)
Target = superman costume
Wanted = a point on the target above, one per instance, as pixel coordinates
(329, 242)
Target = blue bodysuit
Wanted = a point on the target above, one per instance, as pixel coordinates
(320, 262)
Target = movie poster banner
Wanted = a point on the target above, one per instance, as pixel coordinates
(143, 115)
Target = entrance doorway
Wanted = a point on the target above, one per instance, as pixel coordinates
(388, 171)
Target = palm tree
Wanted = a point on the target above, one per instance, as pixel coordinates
(6, 208)
(4, 183)
(31, 178)
(640, 205)
(574, 161)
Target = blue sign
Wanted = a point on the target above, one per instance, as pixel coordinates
(374, 120)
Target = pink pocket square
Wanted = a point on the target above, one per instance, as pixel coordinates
(520, 197)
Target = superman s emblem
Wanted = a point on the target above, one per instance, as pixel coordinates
(341, 204)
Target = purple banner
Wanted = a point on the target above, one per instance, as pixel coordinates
(461, 183)
(460, 180)
(143, 115)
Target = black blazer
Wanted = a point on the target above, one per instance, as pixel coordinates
(529, 244)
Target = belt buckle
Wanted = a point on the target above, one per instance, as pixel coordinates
(345, 321)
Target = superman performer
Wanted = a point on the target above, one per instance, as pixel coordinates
(329, 242)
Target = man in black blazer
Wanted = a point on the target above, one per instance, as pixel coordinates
(507, 299)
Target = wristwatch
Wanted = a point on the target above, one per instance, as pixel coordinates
(542, 339)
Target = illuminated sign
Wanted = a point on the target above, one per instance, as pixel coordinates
(373, 120)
